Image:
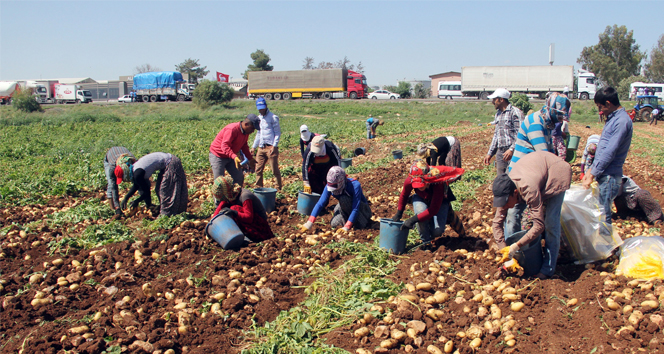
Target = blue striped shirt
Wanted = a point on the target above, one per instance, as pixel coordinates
(533, 136)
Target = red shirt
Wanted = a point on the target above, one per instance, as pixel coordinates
(433, 196)
(230, 140)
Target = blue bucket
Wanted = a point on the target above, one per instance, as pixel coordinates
(392, 238)
(345, 163)
(306, 202)
(529, 256)
(360, 151)
(397, 154)
(224, 230)
(268, 197)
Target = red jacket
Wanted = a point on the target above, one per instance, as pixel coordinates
(230, 141)
(433, 196)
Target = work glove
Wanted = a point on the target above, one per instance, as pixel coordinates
(342, 230)
(123, 203)
(409, 223)
(512, 266)
(134, 204)
(307, 189)
(306, 226)
(238, 163)
(228, 212)
(118, 211)
(398, 215)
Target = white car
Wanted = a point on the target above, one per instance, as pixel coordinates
(383, 95)
(125, 99)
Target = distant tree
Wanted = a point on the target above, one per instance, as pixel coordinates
(623, 86)
(521, 101)
(145, 68)
(403, 89)
(25, 101)
(420, 92)
(308, 63)
(359, 68)
(655, 66)
(193, 68)
(325, 65)
(209, 93)
(615, 57)
(261, 60)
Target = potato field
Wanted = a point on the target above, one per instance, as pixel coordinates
(74, 278)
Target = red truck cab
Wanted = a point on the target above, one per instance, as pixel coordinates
(356, 85)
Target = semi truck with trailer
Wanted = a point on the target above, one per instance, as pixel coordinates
(481, 81)
(7, 90)
(71, 94)
(322, 83)
(38, 90)
(162, 86)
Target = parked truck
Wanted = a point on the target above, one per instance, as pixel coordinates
(38, 90)
(324, 83)
(71, 94)
(7, 90)
(481, 81)
(162, 86)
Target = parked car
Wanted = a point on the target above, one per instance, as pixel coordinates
(383, 95)
(125, 99)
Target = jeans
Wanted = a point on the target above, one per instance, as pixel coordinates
(112, 192)
(369, 133)
(553, 206)
(609, 186)
(501, 166)
(436, 225)
(513, 219)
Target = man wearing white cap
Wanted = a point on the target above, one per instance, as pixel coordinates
(267, 143)
(305, 138)
(508, 120)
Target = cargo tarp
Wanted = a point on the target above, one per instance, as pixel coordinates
(156, 80)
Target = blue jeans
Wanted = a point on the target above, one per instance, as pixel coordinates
(112, 192)
(609, 186)
(552, 207)
(435, 226)
(513, 219)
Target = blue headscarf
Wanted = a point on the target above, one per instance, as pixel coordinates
(556, 108)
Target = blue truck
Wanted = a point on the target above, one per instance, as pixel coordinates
(162, 86)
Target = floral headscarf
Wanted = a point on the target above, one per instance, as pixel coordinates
(336, 180)
(556, 108)
(224, 189)
(421, 174)
(126, 164)
(424, 150)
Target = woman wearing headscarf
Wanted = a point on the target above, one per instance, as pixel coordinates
(443, 151)
(559, 134)
(352, 209)
(320, 156)
(243, 206)
(634, 201)
(431, 202)
(589, 153)
(306, 137)
(171, 184)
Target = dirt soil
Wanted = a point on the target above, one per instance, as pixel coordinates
(153, 295)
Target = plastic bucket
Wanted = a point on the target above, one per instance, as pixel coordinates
(397, 154)
(306, 202)
(345, 163)
(224, 230)
(360, 151)
(267, 196)
(573, 142)
(392, 238)
(529, 256)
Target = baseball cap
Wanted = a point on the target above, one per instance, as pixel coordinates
(118, 174)
(501, 92)
(305, 134)
(260, 103)
(503, 186)
(317, 144)
(255, 121)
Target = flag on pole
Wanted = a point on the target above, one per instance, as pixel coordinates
(222, 77)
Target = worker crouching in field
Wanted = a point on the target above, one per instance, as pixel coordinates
(634, 201)
(243, 206)
(372, 124)
(110, 161)
(171, 184)
(320, 156)
(431, 202)
(539, 180)
(353, 209)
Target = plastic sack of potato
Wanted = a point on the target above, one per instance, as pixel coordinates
(584, 226)
(642, 257)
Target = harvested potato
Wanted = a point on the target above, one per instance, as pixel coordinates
(432, 349)
(361, 332)
(517, 306)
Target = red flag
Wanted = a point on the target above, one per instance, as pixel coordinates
(222, 77)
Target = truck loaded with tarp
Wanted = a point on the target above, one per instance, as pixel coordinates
(481, 81)
(324, 83)
(162, 86)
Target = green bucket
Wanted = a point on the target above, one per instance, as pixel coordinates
(573, 142)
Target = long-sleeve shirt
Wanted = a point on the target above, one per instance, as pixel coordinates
(251, 206)
(433, 197)
(270, 131)
(353, 189)
(613, 144)
(156, 161)
(305, 144)
(507, 124)
(538, 176)
(230, 140)
(533, 136)
(116, 151)
(332, 157)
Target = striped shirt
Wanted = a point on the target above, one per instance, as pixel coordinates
(533, 136)
(113, 153)
(507, 125)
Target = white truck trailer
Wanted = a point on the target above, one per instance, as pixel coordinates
(72, 94)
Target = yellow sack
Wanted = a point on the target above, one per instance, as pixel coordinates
(642, 257)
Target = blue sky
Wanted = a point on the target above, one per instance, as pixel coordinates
(394, 40)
